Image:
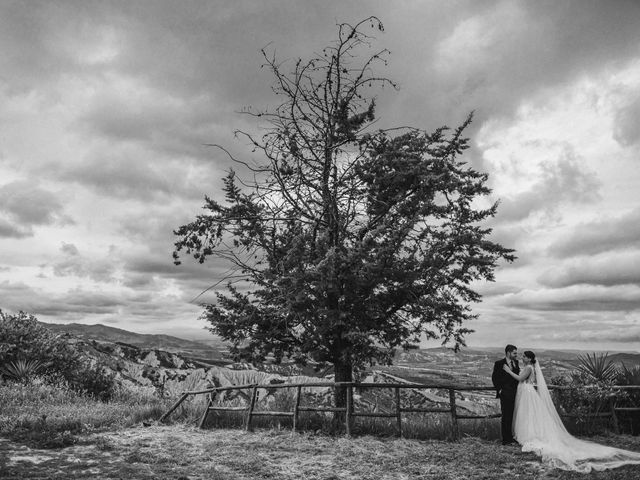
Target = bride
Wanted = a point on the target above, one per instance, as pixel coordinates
(539, 429)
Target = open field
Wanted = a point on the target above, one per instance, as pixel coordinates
(184, 452)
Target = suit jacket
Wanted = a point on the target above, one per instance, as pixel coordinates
(501, 379)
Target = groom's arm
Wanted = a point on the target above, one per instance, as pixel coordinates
(495, 376)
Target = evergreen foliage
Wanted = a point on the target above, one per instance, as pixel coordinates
(350, 242)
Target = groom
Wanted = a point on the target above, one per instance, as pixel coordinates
(506, 387)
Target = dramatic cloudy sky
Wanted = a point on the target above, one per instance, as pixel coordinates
(105, 107)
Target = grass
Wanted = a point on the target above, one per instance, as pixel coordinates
(109, 440)
(52, 416)
(414, 426)
(180, 451)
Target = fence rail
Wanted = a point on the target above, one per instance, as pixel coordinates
(350, 413)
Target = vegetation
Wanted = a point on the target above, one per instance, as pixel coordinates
(21, 370)
(350, 242)
(591, 391)
(23, 339)
(597, 366)
(29, 350)
(46, 415)
(583, 399)
(179, 452)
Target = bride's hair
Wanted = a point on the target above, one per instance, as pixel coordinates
(531, 356)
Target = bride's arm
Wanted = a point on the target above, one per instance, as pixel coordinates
(525, 373)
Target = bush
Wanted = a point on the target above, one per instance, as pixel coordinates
(96, 382)
(29, 349)
(629, 421)
(583, 397)
(23, 337)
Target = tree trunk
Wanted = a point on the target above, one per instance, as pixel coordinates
(343, 373)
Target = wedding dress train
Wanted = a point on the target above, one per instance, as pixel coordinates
(539, 429)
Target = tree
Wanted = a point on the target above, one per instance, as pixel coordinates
(348, 243)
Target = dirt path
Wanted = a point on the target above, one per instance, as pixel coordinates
(180, 453)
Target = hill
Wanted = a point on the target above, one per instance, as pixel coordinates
(170, 365)
(214, 351)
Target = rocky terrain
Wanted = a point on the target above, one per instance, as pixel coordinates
(168, 366)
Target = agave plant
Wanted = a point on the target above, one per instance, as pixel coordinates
(22, 370)
(598, 366)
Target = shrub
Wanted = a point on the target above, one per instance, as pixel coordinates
(23, 337)
(582, 397)
(629, 420)
(23, 371)
(29, 349)
(93, 381)
(628, 376)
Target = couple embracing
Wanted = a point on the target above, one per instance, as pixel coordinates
(529, 418)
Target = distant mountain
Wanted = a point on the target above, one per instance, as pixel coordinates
(213, 350)
(167, 365)
(469, 364)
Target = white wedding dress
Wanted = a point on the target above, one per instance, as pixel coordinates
(539, 429)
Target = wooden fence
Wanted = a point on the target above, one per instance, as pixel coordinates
(349, 412)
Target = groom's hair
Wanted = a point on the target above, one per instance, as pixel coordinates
(510, 348)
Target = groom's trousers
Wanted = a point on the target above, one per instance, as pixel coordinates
(507, 404)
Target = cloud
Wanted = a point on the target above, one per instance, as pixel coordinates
(627, 124)
(111, 103)
(133, 173)
(75, 264)
(25, 206)
(70, 249)
(29, 204)
(577, 298)
(491, 289)
(170, 122)
(601, 235)
(606, 270)
(121, 306)
(125, 175)
(9, 230)
(191, 277)
(565, 181)
(496, 55)
(616, 332)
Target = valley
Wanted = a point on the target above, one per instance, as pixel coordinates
(167, 366)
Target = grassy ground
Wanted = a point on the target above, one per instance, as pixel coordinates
(41, 415)
(185, 452)
(50, 432)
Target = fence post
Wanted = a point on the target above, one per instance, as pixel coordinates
(398, 414)
(454, 416)
(614, 416)
(347, 416)
(252, 404)
(176, 405)
(203, 420)
(296, 407)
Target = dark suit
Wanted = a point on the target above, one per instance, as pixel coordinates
(506, 387)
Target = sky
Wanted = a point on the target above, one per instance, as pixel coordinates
(106, 107)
